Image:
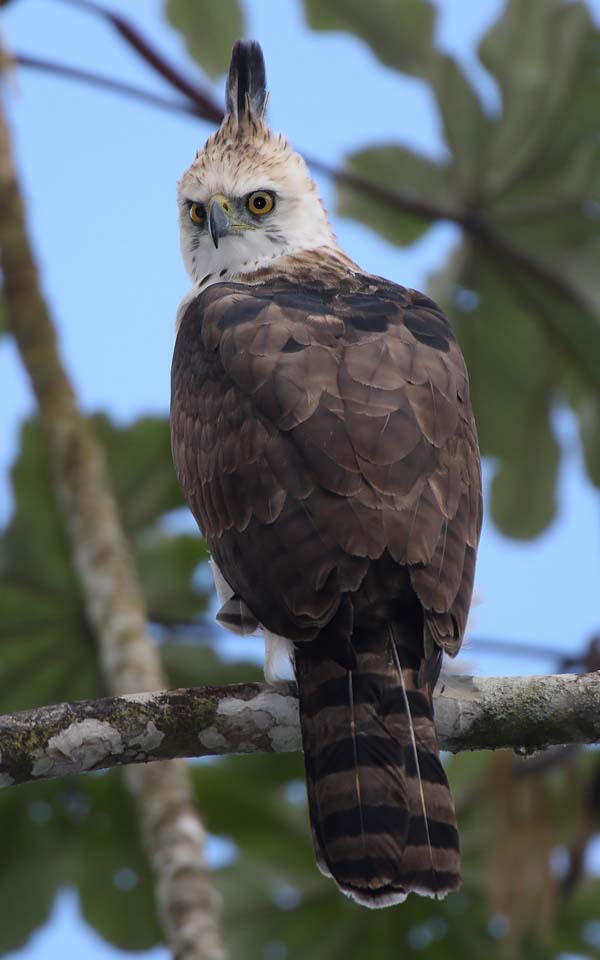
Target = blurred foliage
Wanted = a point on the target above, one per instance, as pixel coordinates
(522, 288)
(209, 30)
(47, 651)
(274, 895)
(82, 832)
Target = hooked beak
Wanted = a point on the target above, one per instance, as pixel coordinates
(218, 221)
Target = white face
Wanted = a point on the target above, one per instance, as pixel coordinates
(242, 206)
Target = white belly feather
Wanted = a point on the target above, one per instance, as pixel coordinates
(279, 651)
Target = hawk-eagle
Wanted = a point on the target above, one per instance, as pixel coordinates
(323, 436)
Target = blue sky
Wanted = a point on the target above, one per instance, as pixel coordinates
(99, 176)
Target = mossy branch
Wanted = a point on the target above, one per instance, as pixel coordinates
(525, 714)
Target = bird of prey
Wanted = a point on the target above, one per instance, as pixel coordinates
(323, 437)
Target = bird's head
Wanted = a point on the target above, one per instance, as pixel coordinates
(247, 198)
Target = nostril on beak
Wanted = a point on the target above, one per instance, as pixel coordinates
(218, 222)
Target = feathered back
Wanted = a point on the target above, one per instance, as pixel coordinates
(246, 94)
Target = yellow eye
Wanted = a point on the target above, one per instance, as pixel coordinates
(260, 202)
(197, 214)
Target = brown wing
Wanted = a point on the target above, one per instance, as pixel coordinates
(314, 428)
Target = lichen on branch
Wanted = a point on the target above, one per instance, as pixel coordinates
(526, 714)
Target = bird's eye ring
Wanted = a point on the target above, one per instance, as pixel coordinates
(260, 203)
(197, 214)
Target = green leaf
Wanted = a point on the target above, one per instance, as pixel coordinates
(209, 29)
(83, 832)
(466, 131)
(141, 469)
(273, 892)
(80, 832)
(587, 408)
(3, 316)
(522, 508)
(166, 564)
(47, 651)
(514, 376)
(542, 55)
(263, 815)
(400, 34)
(33, 863)
(545, 193)
(110, 867)
(399, 169)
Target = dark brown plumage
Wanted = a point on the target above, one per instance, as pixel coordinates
(324, 439)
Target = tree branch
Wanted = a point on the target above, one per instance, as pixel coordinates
(204, 101)
(171, 827)
(196, 107)
(104, 83)
(525, 714)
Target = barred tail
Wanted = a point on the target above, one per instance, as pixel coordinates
(381, 811)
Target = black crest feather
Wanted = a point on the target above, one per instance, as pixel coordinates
(246, 83)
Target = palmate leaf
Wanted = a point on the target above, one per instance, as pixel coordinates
(399, 169)
(47, 651)
(263, 815)
(273, 893)
(3, 318)
(466, 131)
(544, 815)
(141, 470)
(83, 833)
(273, 902)
(32, 868)
(529, 314)
(542, 56)
(587, 405)
(513, 373)
(545, 190)
(265, 906)
(209, 29)
(400, 34)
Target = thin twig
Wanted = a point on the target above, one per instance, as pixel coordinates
(104, 82)
(515, 648)
(205, 103)
(403, 202)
